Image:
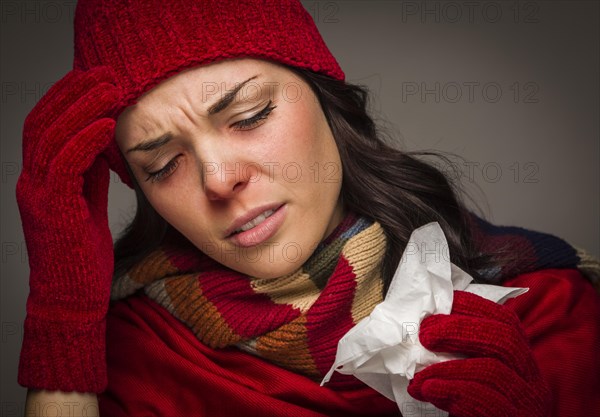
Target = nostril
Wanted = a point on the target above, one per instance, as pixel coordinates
(238, 185)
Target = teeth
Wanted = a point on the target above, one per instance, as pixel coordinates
(254, 222)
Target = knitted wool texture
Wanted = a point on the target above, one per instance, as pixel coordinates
(297, 320)
(147, 41)
(62, 194)
(498, 377)
(294, 321)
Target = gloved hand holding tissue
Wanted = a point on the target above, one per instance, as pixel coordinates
(383, 350)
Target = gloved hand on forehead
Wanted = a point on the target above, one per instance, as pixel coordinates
(62, 194)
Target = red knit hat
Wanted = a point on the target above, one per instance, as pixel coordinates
(146, 41)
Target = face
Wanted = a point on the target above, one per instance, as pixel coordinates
(239, 158)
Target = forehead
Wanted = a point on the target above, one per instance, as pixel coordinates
(202, 86)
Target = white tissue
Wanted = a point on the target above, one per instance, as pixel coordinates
(383, 349)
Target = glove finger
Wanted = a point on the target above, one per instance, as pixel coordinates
(96, 182)
(45, 112)
(473, 305)
(90, 107)
(484, 371)
(117, 163)
(95, 188)
(478, 337)
(464, 399)
(94, 104)
(80, 153)
(56, 100)
(63, 94)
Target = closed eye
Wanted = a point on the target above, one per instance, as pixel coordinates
(246, 124)
(256, 120)
(164, 171)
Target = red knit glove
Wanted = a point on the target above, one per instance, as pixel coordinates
(62, 194)
(499, 377)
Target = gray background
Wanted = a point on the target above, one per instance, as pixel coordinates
(511, 86)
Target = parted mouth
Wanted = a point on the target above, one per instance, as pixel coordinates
(251, 219)
(254, 222)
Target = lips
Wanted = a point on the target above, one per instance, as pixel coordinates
(255, 222)
(259, 229)
(251, 219)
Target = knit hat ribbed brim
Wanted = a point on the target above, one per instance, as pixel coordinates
(146, 41)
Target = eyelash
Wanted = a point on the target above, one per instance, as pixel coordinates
(165, 171)
(246, 124)
(252, 122)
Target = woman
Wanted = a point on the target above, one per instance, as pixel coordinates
(271, 217)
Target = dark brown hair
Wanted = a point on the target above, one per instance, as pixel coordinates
(400, 190)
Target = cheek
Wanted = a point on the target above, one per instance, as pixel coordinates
(308, 144)
(298, 137)
(173, 194)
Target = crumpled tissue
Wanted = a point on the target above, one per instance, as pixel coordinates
(383, 349)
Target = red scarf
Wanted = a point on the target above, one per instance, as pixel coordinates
(157, 367)
(294, 321)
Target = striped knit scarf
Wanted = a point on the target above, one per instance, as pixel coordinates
(297, 320)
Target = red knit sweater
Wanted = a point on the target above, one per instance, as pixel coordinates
(156, 366)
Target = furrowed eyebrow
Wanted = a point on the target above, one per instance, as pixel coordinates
(220, 105)
(227, 99)
(152, 144)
